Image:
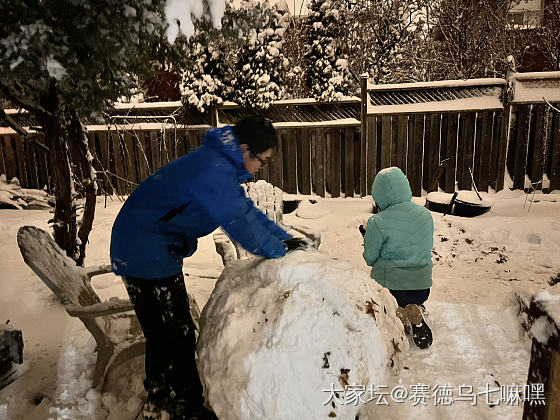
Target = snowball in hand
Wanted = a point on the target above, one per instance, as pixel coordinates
(277, 335)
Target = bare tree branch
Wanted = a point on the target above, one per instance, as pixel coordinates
(550, 105)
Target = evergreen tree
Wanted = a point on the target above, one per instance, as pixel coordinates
(294, 50)
(207, 80)
(261, 65)
(328, 75)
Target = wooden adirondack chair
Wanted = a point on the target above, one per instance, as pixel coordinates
(112, 323)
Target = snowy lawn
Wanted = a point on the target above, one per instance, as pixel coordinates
(478, 263)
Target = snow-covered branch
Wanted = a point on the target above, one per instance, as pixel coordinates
(179, 15)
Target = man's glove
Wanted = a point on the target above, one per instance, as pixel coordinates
(296, 243)
(362, 230)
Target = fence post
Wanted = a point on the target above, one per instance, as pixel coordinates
(214, 116)
(507, 96)
(363, 134)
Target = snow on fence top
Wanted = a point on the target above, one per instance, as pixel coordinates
(299, 112)
(439, 96)
(300, 101)
(149, 105)
(437, 84)
(536, 87)
(155, 115)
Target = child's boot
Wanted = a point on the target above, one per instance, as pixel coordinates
(150, 411)
(421, 332)
(401, 314)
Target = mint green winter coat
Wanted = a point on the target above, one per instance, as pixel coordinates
(399, 239)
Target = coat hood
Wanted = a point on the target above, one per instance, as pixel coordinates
(390, 187)
(225, 141)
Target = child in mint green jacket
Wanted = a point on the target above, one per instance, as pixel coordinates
(397, 245)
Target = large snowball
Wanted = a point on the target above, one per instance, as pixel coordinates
(277, 335)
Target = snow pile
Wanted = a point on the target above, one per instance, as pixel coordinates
(306, 210)
(471, 197)
(13, 196)
(75, 399)
(279, 337)
(546, 326)
(438, 197)
(551, 303)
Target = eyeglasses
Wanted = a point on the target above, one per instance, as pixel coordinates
(262, 161)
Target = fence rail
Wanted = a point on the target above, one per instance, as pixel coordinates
(436, 133)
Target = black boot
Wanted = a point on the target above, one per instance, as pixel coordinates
(421, 332)
(183, 412)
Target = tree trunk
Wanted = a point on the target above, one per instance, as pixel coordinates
(83, 157)
(65, 137)
(69, 152)
(64, 221)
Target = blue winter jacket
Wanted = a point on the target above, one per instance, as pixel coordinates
(184, 200)
(399, 239)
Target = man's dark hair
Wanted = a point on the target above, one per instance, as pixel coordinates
(256, 132)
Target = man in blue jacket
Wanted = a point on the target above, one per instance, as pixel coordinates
(159, 225)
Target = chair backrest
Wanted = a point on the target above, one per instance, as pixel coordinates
(59, 272)
(266, 197)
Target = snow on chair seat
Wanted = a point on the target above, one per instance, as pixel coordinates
(118, 337)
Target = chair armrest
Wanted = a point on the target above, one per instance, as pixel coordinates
(225, 247)
(315, 237)
(108, 307)
(95, 270)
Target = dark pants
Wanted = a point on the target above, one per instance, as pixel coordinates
(162, 307)
(407, 297)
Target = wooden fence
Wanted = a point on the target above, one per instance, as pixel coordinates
(308, 159)
(461, 141)
(455, 124)
(534, 152)
(319, 160)
(439, 131)
(29, 162)
(534, 136)
(124, 158)
(464, 127)
(313, 156)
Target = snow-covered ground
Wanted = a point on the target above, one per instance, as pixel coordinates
(478, 263)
